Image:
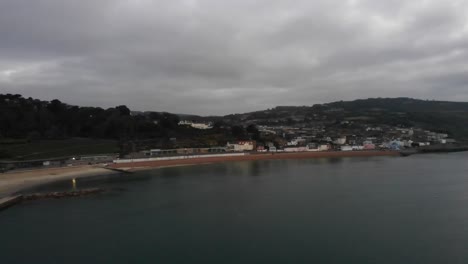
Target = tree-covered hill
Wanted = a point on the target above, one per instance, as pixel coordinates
(400, 105)
(443, 116)
(35, 119)
(26, 121)
(32, 129)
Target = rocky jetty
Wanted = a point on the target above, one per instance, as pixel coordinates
(10, 201)
(59, 195)
(434, 149)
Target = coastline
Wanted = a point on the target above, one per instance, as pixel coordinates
(143, 165)
(15, 181)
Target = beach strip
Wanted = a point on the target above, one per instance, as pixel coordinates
(138, 165)
(14, 181)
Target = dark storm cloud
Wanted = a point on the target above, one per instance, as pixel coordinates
(217, 57)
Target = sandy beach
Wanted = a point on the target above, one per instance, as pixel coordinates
(15, 181)
(260, 156)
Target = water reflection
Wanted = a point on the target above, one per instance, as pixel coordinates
(87, 182)
(347, 210)
(261, 168)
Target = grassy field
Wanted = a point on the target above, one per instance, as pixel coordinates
(44, 149)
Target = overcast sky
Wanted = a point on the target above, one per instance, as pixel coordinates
(232, 56)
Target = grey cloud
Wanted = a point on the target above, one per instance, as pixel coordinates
(219, 57)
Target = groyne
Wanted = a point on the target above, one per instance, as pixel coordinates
(9, 201)
(14, 200)
(433, 149)
(60, 195)
(118, 170)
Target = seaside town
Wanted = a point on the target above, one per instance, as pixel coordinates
(55, 134)
(287, 139)
(280, 139)
(314, 139)
(234, 131)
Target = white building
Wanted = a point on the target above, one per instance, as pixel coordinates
(340, 141)
(346, 148)
(324, 147)
(295, 149)
(195, 125)
(242, 146)
(296, 141)
(407, 143)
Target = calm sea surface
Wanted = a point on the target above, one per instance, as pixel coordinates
(350, 210)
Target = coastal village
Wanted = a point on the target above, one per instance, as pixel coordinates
(117, 140)
(274, 139)
(234, 131)
(314, 139)
(65, 135)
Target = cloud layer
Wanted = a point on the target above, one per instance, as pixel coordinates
(219, 57)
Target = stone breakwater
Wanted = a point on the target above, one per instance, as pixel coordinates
(9, 201)
(13, 200)
(59, 195)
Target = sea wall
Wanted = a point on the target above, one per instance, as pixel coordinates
(202, 159)
(179, 157)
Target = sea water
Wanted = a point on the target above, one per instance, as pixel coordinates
(345, 210)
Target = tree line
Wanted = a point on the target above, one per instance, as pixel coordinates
(36, 119)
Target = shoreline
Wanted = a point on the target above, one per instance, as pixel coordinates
(146, 165)
(13, 182)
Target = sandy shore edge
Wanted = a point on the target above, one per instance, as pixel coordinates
(146, 165)
(12, 182)
(15, 181)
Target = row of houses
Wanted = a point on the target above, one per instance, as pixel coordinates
(181, 151)
(240, 146)
(401, 139)
(249, 146)
(350, 133)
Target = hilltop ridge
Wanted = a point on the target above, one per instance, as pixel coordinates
(443, 116)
